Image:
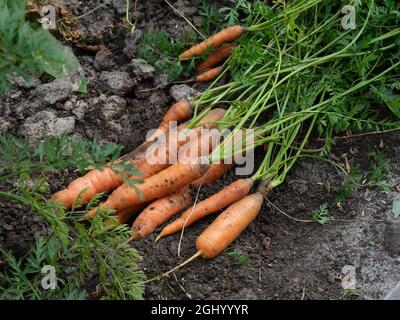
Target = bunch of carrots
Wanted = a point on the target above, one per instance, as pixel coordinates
(297, 83)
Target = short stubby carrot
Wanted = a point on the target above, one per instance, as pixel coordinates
(160, 211)
(228, 226)
(157, 186)
(230, 194)
(216, 57)
(228, 34)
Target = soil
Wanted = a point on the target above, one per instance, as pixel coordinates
(288, 259)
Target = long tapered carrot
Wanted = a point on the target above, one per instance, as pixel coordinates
(230, 194)
(216, 57)
(168, 180)
(225, 35)
(228, 225)
(208, 75)
(160, 211)
(122, 197)
(107, 179)
(224, 230)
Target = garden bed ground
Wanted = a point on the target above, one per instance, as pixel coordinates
(286, 258)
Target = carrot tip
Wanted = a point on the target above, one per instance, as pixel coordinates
(158, 238)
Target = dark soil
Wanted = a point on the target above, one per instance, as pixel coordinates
(288, 259)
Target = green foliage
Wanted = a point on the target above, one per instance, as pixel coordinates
(89, 249)
(107, 254)
(380, 168)
(343, 192)
(210, 16)
(321, 215)
(26, 49)
(161, 51)
(238, 257)
(17, 157)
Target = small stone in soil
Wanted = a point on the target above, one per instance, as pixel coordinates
(116, 82)
(45, 123)
(141, 69)
(131, 41)
(104, 61)
(182, 91)
(54, 91)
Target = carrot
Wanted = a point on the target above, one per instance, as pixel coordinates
(160, 211)
(155, 166)
(98, 181)
(225, 35)
(157, 186)
(224, 230)
(122, 216)
(164, 208)
(216, 57)
(82, 189)
(209, 74)
(230, 194)
(216, 171)
(177, 112)
(228, 225)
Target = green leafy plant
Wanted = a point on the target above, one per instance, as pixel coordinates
(27, 49)
(321, 215)
(88, 248)
(380, 169)
(210, 16)
(343, 192)
(238, 257)
(160, 50)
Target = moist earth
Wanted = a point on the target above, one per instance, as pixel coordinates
(290, 256)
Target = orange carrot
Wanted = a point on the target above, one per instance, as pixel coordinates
(160, 211)
(122, 216)
(225, 35)
(224, 229)
(164, 208)
(98, 181)
(230, 194)
(157, 186)
(82, 189)
(210, 74)
(156, 166)
(178, 111)
(216, 57)
(228, 226)
(216, 171)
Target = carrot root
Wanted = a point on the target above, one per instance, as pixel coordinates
(228, 34)
(229, 225)
(230, 194)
